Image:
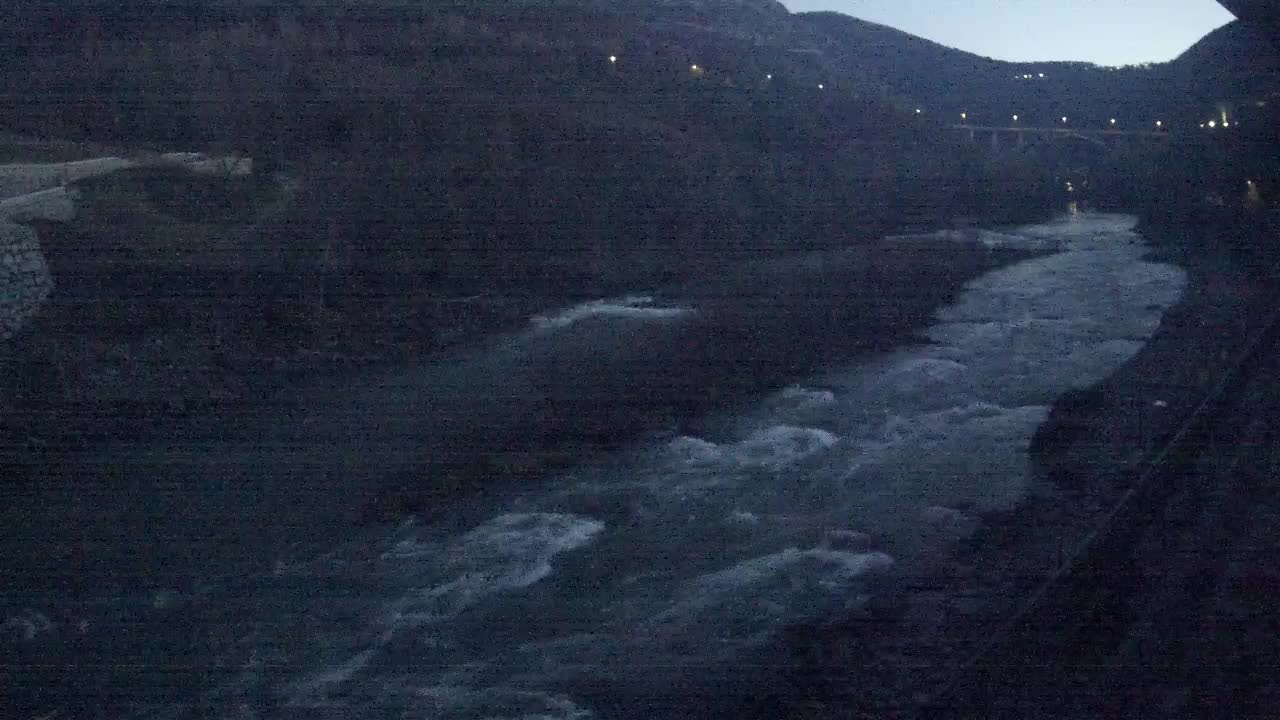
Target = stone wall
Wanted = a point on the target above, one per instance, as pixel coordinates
(38, 192)
(25, 283)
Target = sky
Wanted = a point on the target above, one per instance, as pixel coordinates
(1106, 32)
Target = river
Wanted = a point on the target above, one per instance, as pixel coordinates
(632, 581)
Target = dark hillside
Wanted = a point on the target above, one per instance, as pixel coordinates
(430, 173)
(1230, 70)
(495, 154)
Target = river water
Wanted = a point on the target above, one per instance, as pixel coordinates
(632, 583)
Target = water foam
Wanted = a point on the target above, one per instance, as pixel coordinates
(716, 544)
(638, 307)
(782, 445)
(506, 553)
(498, 704)
(747, 603)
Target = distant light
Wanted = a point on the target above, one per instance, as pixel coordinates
(693, 68)
(1064, 118)
(1041, 74)
(918, 111)
(1226, 124)
(1249, 183)
(821, 86)
(1213, 124)
(613, 58)
(1201, 124)
(1159, 123)
(1015, 118)
(1113, 121)
(768, 77)
(964, 116)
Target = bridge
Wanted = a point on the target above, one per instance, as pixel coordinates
(1020, 133)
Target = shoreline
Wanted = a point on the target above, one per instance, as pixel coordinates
(908, 641)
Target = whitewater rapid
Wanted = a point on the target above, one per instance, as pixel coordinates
(656, 573)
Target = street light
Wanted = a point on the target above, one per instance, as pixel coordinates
(1213, 124)
(613, 58)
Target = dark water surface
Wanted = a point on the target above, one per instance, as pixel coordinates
(270, 572)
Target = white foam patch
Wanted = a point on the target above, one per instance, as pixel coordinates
(314, 689)
(804, 398)
(746, 603)
(507, 553)
(497, 704)
(782, 445)
(638, 307)
(694, 451)
(923, 376)
(985, 238)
